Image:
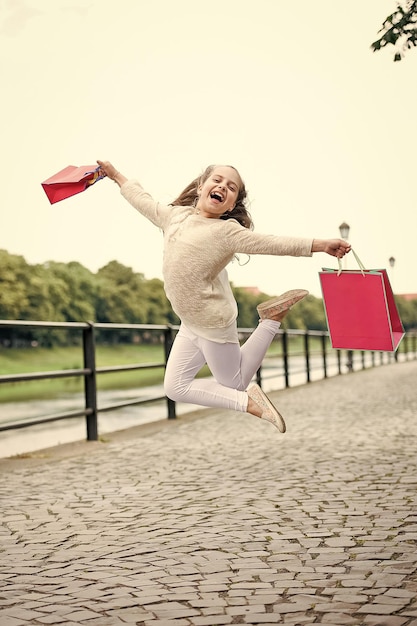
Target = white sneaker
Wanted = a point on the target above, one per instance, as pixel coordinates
(275, 306)
(269, 412)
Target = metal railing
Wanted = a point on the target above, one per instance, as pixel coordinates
(303, 360)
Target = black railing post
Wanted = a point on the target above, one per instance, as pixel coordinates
(285, 357)
(259, 376)
(349, 362)
(90, 372)
(339, 361)
(90, 381)
(323, 348)
(168, 341)
(403, 348)
(307, 355)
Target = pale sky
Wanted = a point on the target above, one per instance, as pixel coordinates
(322, 129)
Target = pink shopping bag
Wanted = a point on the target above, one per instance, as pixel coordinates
(70, 181)
(360, 309)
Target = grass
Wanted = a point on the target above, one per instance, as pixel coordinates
(24, 360)
(20, 361)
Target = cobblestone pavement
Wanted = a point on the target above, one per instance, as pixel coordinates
(218, 519)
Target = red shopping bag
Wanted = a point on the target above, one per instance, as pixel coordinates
(70, 181)
(360, 309)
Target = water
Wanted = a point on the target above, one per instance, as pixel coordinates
(33, 438)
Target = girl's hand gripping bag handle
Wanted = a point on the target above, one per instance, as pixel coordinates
(358, 261)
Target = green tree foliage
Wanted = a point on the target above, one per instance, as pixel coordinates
(13, 286)
(121, 295)
(44, 294)
(72, 290)
(68, 292)
(126, 297)
(307, 315)
(247, 303)
(407, 310)
(399, 29)
(159, 310)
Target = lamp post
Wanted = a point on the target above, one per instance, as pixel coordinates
(344, 233)
(344, 230)
(391, 261)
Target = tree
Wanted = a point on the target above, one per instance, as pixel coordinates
(13, 286)
(59, 292)
(159, 310)
(399, 29)
(121, 297)
(71, 291)
(13, 295)
(307, 315)
(407, 310)
(247, 303)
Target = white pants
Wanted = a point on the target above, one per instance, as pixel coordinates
(232, 366)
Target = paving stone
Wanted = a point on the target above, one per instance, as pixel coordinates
(81, 615)
(383, 620)
(340, 619)
(245, 610)
(209, 621)
(217, 519)
(167, 622)
(12, 621)
(378, 609)
(262, 618)
(52, 619)
(20, 613)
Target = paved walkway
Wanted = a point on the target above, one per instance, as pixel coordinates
(216, 518)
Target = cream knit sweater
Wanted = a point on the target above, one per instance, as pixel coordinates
(196, 252)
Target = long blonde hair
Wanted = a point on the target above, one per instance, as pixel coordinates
(239, 213)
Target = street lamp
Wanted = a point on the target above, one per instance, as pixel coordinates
(391, 261)
(344, 230)
(344, 233)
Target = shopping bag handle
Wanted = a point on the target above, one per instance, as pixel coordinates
(97, 176)
(358, 261)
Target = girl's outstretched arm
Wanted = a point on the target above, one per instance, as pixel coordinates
(134, 193)
(334, 247)
(107, 169)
